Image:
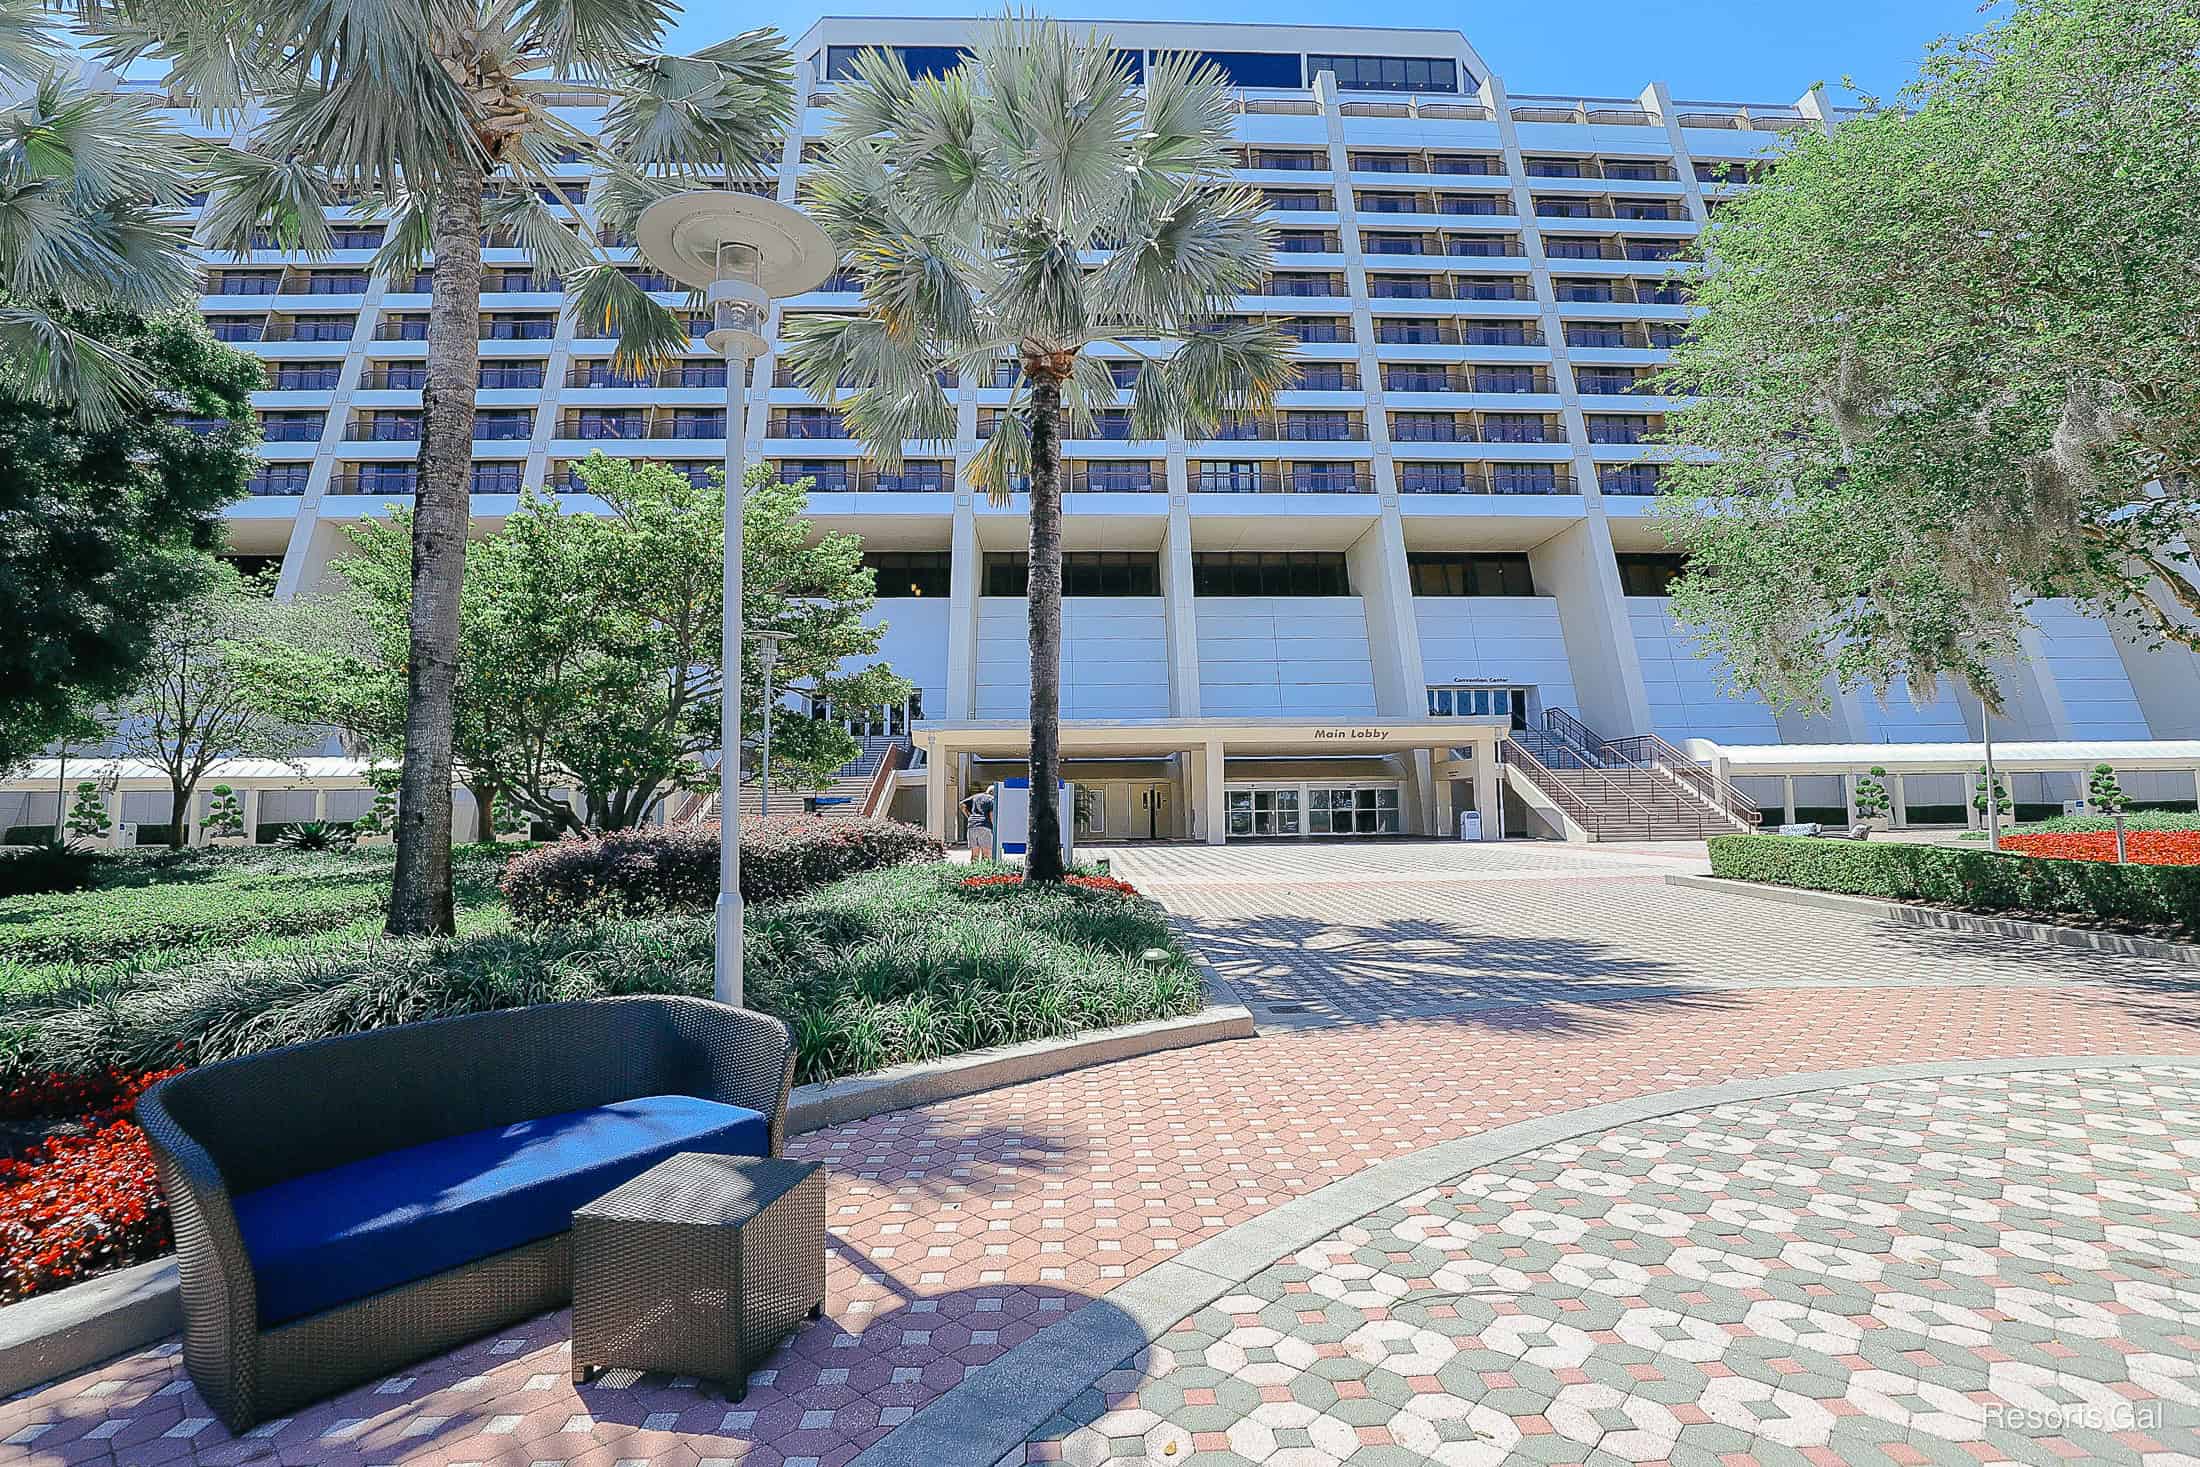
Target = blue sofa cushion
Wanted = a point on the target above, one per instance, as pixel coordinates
(330, 1237)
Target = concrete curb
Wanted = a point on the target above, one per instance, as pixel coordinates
(1939, 919)
(837, 1102)
(51, 1336)
(1001, 1404)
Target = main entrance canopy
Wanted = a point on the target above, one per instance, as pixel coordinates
(1419, 772)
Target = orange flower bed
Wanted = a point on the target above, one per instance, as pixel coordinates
(1089, 883)
(2144, 847)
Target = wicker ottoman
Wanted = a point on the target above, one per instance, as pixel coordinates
(698, 1267)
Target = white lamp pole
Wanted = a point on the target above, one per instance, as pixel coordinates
(741, 252)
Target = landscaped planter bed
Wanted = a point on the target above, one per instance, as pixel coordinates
(2142, 847)
(910, 963)
(2154, 899)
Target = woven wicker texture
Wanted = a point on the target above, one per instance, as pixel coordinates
(232, 1127)
(699, 1266)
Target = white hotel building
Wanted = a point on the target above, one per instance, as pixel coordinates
(1328, 621)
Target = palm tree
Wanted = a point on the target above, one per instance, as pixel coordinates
(89, 179)
(436, 114)
(1033, 203)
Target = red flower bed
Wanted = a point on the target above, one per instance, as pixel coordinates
(1089, 883)
(77, 1203)
(2144, 847)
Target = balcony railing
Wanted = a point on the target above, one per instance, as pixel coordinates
(395, 377)
(1291, 428)
(687, 374)
(401, 330)
(1116, 479)
(355, 481)
(383, 430)
(1292, 479)
(1485, 479)
(1412, 379)
(311, 328)
(808, 424)
(847, 479)
(1404, 331)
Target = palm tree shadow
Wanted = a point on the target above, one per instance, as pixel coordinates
(1296, 970)
(2125, 969)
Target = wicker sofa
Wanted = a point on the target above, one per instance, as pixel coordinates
(347, 1206)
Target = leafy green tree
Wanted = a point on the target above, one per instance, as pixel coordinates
(969, 205)
(589, 647)
(102, 528)
(90, 179)
(2104, 793)
(197, 704)
(225, 813)
(1946, 364)
(88, 816)
(441, 119)
(1871, 794)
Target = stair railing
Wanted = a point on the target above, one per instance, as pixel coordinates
(1588, 815)
(882, 779)
(1648, 751)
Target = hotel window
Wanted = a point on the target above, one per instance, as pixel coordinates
(306, 376)
(1496, 333)
(1664, 335)
(919, 61)
(1456, 574)
(1618, 427)
(1238, 476)
(1629, 479)
(1323, 377)
(336, 282)
(1595, 333)
(1084, 573)
(1417, 377)
(236, 328)
(1388, 73)
(912, 573)
(826, 475)
(330, 328)
(1458, 702)
(1572, 247)
(1291, 201)
(292, 427)
(1507, 379)
(1605, 381)
(1432, 478)
(504, 425)
(1645, 574)
(510, 374)
(1524, 479)
(1270, 573)
(1515, 428)
(498, 478)
(279, 479)
(1255, 68)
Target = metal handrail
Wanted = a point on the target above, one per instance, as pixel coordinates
(1513, 751)
(1714, 789)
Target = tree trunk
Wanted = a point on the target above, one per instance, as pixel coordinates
(179, 811)
(485, 812)
(420, 893)
(1043, 605)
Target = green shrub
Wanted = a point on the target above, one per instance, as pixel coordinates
(880, 968)
(636, 873)
(49, 866)
(207, 898)
(2080, 824)
(2152, 897)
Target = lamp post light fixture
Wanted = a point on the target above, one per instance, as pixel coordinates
(767, 658)
(742, 252)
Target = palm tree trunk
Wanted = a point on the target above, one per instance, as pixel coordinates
(420, 893)
(1043, 605)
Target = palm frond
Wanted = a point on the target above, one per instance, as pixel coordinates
(373, 130)
(1002, 465)
(1042, 292)
(1188, 259)
(1060, 108)
(897, 399)
(725, 108)
(408, 237)
(248, 192)
(577, 37)
(605, 302)
(871, 101)
(105, 146)
(210, 48)
(26, 45)
(1229, 368)
(539, 227)
(46, 360)
(1091, 387)
(1190, 109)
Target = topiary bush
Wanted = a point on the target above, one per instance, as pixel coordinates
(639, 873)
(2156, 898)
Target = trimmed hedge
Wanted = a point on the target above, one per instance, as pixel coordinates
(2156, 898)
(642, 873)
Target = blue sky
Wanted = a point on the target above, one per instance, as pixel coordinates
(1707, 50)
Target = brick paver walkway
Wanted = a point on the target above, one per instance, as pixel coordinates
(1984, 1268)
(963, 1228)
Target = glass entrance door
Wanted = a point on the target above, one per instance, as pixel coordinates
(1352, 810)
(1258, 812)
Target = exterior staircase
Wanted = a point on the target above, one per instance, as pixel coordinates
(1635, 788)
(859, 787)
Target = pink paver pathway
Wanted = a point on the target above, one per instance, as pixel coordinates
(961, 1229)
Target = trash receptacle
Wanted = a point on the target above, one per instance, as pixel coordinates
(1470, 824)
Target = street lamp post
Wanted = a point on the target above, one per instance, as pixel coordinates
(741, 252)
(767, 658)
